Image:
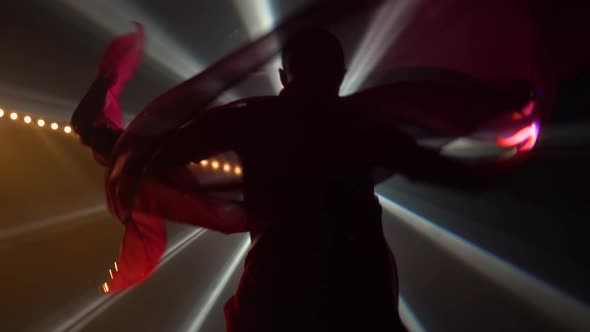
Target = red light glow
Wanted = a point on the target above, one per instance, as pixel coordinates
(525, 137)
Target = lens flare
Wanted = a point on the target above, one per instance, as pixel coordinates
(54, 126)
(1, 112)
(28, 119)
(532, 140)
(13, 116)
(528, 109)
(67, 129)
(41, 123)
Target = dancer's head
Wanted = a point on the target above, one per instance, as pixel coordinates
(313, 62)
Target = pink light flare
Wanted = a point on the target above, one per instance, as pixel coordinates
(528, 109)
(530, 143)
(525, 138)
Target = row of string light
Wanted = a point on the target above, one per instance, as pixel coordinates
(217, 166)
(105, 286)
(40, 122)
(212, 164)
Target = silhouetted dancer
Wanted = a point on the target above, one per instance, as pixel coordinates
(319, 260)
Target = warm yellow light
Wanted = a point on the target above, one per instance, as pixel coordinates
(204, 163)
(54, 126)
(226, 168)
(1, 112)
(105, 287)
(13, 116)
(41, 123)
(215, 164)
(116, 267)
(238, 170)
(111, 273)
(67, 129)
(28, 119)
(516, 116)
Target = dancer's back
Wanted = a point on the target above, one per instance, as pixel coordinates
(322, 260)
(319, 260)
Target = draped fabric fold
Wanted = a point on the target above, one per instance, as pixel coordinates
(142, 194)
(141, 201)
(449, 108)
(142, 197)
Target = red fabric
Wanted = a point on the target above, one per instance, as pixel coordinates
(144, 241)
(141, 196)
(142, 202)
(452, 108)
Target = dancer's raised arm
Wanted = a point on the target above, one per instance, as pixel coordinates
(401, 153)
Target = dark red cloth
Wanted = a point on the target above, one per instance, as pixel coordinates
(141, 195)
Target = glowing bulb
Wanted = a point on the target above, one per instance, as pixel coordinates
(204, 163)
(226, 168)
(516, 116)
(54, 126)
(41, 123)
(13, 116)
(67, 129)
(28, 119)
(215, 164)
(105, 287)
(116, 267)
(238, 170)
(1, 112)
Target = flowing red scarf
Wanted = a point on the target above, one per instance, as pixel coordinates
(142, 196)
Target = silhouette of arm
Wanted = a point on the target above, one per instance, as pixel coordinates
(421, 164)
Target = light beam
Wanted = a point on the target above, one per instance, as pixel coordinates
(205, 309)
(258, 19)
(94, 308)
(537, 294)
(386, 26)
(41, 225)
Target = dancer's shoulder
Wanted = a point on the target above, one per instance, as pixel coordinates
(252, 103)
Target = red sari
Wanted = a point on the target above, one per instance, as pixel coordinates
(148, 181)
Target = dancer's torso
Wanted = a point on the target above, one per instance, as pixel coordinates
(307, 170)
